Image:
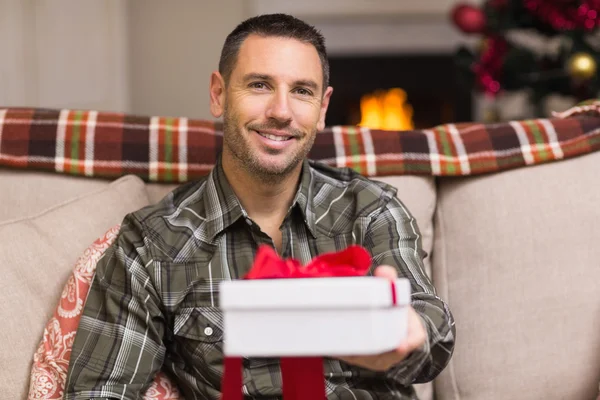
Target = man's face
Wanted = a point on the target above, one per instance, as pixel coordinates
(273, 105)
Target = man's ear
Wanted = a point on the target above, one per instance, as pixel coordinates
(324, 105)
(217, 94)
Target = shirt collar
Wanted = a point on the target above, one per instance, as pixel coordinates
(304, 197)
(222, 205)
(223, 208)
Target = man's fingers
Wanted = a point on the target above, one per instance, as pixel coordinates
(410, 344)
(416, 335)
(385, 271)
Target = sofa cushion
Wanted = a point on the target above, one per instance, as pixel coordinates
(37, 256)
(156, 191)
(418, 193)
(31, 192)
(51, 360)
(517, 258)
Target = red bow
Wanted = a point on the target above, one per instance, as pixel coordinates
(354, 261)
(302, 376)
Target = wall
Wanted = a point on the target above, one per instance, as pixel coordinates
(352, 8)
(16, 62)
(174, 46)
(63, 53)
(140, 56)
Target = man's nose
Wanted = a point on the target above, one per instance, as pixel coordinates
(279, 107)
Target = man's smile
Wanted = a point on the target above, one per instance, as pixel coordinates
(275, 137)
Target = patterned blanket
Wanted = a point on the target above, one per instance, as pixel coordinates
(163, 149)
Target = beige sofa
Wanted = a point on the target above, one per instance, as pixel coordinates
(516, 254)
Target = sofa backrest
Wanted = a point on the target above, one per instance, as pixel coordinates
(517, 257)
(38, 252)
(486, 241)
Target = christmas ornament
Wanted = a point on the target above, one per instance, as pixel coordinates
(545, 46)
(491, 115)
(565, 15)
(488, 70)
(469, 19)
(482, 45)
(581, 66)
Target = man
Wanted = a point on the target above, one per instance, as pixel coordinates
(153, 303)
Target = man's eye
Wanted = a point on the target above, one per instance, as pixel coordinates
(303, 92)
(258, 85)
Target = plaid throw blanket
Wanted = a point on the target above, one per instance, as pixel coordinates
(161, 149)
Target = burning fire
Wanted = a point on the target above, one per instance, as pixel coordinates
(387, 110)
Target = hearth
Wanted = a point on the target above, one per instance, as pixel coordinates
(429, 81)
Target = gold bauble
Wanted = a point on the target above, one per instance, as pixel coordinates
(491, 115)
(581, 66)
(482, 46)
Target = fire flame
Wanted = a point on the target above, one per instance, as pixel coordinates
(387, 110)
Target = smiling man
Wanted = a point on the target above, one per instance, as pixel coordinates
(153, 304)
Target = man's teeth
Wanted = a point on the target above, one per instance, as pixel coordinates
(274, 137)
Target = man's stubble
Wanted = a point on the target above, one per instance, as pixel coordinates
(237, 144)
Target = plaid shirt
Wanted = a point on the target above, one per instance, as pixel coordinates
(153, 303)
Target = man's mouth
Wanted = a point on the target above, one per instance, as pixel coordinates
(276, 138)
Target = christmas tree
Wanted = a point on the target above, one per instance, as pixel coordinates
(544, 46)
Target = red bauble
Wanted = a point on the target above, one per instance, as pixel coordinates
(469, 19)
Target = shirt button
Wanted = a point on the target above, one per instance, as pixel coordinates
(208, 331)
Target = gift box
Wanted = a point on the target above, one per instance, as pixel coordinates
(314, 316)
(327, 308)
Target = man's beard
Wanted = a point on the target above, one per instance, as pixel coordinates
(237, 144)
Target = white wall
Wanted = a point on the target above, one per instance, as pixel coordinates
(140, 56)
(353, 8)
(63, 53)
(16, 65)
(174, 46)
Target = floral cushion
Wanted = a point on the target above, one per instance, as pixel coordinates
(51, 360)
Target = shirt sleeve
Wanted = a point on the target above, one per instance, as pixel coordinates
(394, 239)
(118, 346)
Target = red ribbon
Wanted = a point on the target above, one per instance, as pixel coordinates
(354, 261)
(232, 379)
(394, 297)
(302, 377)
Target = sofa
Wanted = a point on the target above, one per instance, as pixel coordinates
(509, 215)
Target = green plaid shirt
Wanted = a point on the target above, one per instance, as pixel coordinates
(153, 303)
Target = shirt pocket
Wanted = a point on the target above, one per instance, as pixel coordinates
(328, 242)
(198, 335)
(203, 324)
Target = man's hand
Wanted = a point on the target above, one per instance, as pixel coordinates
(416, 337)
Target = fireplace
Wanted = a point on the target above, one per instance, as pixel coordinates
(429, 80)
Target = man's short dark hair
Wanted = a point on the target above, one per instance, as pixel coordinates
(274, 25)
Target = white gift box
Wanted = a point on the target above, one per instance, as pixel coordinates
(314, 316)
